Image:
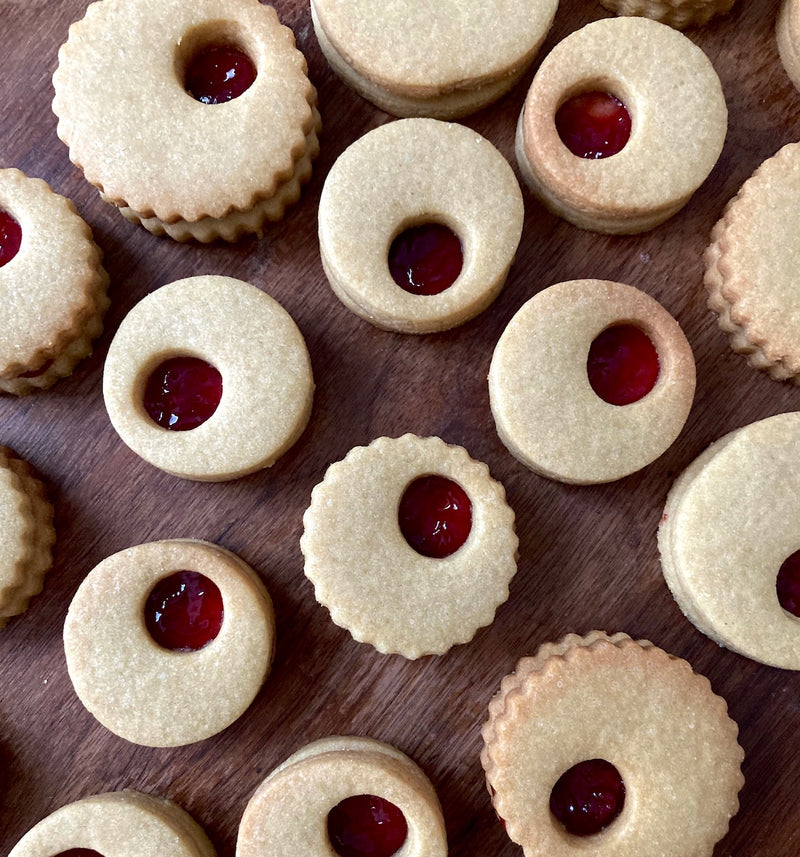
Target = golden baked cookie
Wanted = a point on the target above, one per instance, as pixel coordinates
(208, 378)
(419, 221)
(751, 269)
(676, 13)
(729, 543)
(116, 824)
(26, 534)
(624, 120)
(172, 142)
(52, 285)
(168, 642)
(590, 381)
(435, 558)
(605, 745)
(787, 32)
(431, 59)
(338, 791)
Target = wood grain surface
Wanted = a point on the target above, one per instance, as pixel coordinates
(588, 556)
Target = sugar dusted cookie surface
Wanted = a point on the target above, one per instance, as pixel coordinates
(295, 812)
(545, 408)
(729, 524)
(265, 388)
(408, 174)
(373, 581)
(176, 164)
(52, 285)
(629, 704)
(132, 647)
(442, 60)
(117, 824)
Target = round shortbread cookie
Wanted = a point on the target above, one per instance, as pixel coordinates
(729, 523)
(543, 404)
(370, 578)
(676, 13)
(174, 159)
(153, 695)
(678, 115)
(629, 704)
(267, 384)
(787, 33)
(117, 824)
(401, 175)
(438, 60)
(287, 816)
(53, 290)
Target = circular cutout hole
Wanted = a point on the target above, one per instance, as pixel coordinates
(593, 124)
(184, 611)
(426, 259)
(435, 516)
(182, 393)
(588, 797)
(10, 238)
(216, 73)
(788, 584)
(622, 365)
(79, 852)
(366, 826)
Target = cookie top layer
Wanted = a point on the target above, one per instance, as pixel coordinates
(52, 287)
(370, 578)
(754, 259)
(630, 704)
(425, 49)
(145, 142)
(729, 523)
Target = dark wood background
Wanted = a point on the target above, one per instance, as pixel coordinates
(588, 556)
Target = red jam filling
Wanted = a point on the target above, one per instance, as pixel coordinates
(788, 584)
(623, 365)
(10, 238)
(426, 259)
(593, 125)
(79, 852)
(588, 797)
(182, 393)
(366, 826)
(184, 611)
(435, 516)
(219, 73)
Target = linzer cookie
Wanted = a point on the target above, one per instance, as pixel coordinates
(116, 824)
(208, 378)
(590, 381)
(194, 117)
(431, 59)
(26, 534)
(419, 221)
(787, 31)
(168, 643)
(624, 120)
(751, 275)
(434, 559)
(52, 285)
(729, 545)
(344, 795)
(605, 745)
(676, 13)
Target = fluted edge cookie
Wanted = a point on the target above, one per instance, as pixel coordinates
(676, 13)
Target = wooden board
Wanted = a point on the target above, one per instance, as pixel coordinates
(588, 556)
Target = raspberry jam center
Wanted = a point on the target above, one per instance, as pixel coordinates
(788, 584)
(593, 125)
(435, 516)
(10, 238)
(622, 365)
(182, 393)
(588, 797)
(184, 611)
(426, 259)
(219, 73)
(79, 852)
(366, 826)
